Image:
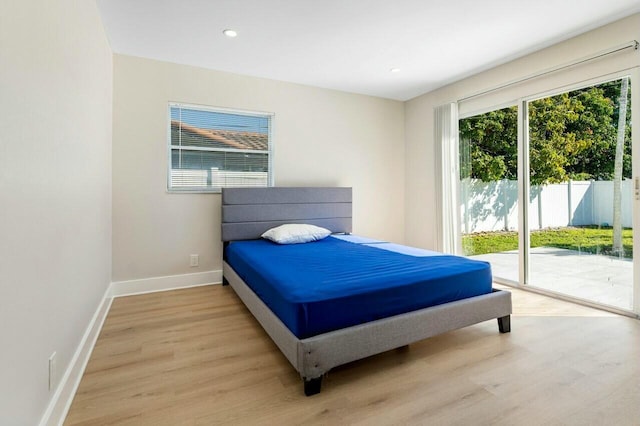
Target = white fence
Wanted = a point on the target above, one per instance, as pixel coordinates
(187, 178)
(493, 206)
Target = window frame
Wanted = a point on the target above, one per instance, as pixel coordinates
(524, 96)
(216, 190)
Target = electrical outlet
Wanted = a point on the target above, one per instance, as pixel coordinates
(52, 371)
(194, 260)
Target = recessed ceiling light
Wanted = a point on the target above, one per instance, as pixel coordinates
(394, 70)
(230, 33)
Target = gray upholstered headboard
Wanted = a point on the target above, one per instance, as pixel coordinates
(248, 212)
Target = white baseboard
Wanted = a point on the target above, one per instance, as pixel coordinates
(171, 282)
(61, 401)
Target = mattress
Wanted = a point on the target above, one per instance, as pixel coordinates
(338, 282)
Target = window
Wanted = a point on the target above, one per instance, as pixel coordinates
(210, 149)
(547, 192)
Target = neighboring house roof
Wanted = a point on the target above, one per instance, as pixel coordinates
(224, 138)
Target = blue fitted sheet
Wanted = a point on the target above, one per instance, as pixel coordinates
(334, 283)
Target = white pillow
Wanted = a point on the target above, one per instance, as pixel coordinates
(296, 233)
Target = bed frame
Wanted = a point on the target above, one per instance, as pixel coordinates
(248, 212)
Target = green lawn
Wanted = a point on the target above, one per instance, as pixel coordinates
(595, 240)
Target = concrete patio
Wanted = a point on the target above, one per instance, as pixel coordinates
(601, 279)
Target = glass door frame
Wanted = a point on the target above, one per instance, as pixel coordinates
(524, 185)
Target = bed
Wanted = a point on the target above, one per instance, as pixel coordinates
(321, 305)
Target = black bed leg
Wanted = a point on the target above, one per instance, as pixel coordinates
(312, 386)
(504, 324)
(225, 281)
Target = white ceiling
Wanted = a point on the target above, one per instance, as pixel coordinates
(351, 45)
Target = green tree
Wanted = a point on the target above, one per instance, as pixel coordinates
(598, 124)
(551, 146)
(490, 143)
(572, 136)
(617, 179)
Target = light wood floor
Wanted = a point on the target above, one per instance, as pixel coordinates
(197, 357)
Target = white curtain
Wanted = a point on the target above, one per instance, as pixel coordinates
(447, 176)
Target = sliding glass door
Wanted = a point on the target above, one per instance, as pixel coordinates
(553, 208)
(488, 149)
(580, 208)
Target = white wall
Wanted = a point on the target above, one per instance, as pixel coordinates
(55, 191)
(420, 217)
(321, 138)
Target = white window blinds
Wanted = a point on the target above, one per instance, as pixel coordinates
(210, 149)
(446, 150)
